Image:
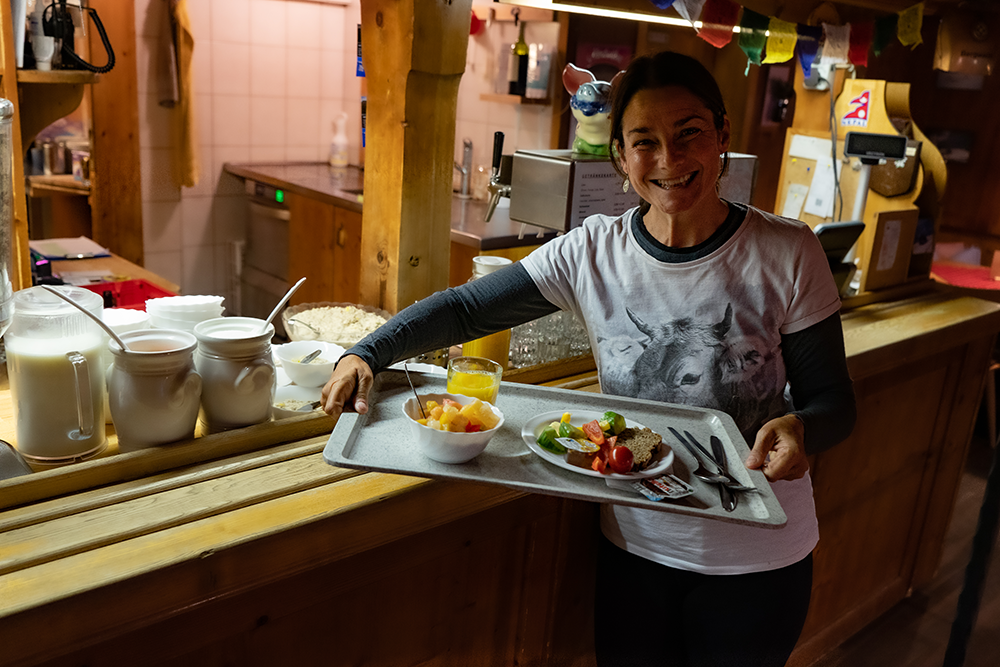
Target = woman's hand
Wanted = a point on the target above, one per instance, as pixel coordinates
(348, 387)
(779, 450)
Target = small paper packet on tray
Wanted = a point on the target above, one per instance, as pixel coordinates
(665, 487)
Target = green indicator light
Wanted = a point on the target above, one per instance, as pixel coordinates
(279, 196)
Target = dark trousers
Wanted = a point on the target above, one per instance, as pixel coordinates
(647, 614)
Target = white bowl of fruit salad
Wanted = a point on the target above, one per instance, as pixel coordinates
(452, 428)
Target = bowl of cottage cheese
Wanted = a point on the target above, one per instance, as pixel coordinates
(343, 324)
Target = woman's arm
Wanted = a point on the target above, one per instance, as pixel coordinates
(824, 409)
(498, 301)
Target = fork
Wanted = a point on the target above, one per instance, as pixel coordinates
(703, 472)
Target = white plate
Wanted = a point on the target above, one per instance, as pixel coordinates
(660, 465)
(420, 367)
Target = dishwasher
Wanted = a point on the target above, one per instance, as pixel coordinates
(263, 275)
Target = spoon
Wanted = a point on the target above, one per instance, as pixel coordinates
(414, 390)
(100, 322)
(281, 304)
(706, 475)
(292, 320)
(309, 357)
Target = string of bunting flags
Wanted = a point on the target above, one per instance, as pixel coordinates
(766, 39)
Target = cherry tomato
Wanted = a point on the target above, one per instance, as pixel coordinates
(621, 459)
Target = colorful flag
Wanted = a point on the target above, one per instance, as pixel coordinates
(662, 4)
(753, 35)
(885, 31)
(861, 40)
(717, 19)
(807, 45)
(689, 9)
(910, 22)
(780, 41)
(836, 40)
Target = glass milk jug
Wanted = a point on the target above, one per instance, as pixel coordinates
(237, 372)
(153, 388)
(54, 362)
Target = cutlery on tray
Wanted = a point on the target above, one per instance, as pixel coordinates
(709, 470)
(726, 494)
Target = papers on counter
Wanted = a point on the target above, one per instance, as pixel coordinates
(68, 248)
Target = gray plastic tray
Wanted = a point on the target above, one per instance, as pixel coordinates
(379, 441)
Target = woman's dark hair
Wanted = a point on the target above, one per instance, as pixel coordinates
(658, 71)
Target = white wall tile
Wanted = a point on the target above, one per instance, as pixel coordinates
(200, 15)
(198, 270)
(156, 165)
(332, 25)
(268, 22)
(267, 122)
(229, 216)
(268, 66)
(205, 186)
(226, 184)
(230, 120)
(332, 78)
(305, 28)
(303, 72)
(165, 264)
(201, 64)
(231, 21)
(230, 68)
(302, 122)
(306, 154)
(203, 118)
(196, 222)
(157, 124)
(268, 153)
(161, 226)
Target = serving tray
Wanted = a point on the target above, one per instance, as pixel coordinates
(379, 441)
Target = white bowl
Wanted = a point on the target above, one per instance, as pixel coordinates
(446, 446)
(314, 374)
(294, 393)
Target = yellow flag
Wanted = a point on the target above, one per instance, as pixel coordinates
(780, 41)
(908, 27)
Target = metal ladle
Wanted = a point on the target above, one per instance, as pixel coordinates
(100, 322)
(281, 304)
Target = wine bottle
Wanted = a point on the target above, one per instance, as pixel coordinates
(517, 65)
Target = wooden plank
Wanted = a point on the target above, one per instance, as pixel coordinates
(414, 57)
(105, 496)
(116, 198)
(59, 538)
(134, 465)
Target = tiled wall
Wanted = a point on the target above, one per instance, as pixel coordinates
(270, 76)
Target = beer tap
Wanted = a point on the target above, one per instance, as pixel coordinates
(497, 187)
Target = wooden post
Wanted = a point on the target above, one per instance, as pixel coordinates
(20, 259)
(414, 57)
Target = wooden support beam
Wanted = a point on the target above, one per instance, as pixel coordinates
(14, 239)
(414, 56)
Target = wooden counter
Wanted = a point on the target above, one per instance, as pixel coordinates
(246, 548)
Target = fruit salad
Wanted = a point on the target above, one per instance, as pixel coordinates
(452, 416)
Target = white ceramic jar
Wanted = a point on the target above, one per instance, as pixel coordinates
(237, 371)
(154, 390)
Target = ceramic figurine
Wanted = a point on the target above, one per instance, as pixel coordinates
(591, 105)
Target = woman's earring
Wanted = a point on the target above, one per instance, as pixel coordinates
(625, 185)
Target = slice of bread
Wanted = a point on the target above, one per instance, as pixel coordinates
(644, 444)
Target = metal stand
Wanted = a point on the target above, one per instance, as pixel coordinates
(976, 571)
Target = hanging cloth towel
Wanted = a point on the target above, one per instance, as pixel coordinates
(166, 63)
(861, 41)
(910, 22)
(885, 30)
(187, 168)
(807, 46)
(717, 21)
(753, 27)
(780, 41)
(836, 40)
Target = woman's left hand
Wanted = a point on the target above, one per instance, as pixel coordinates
(779, 450)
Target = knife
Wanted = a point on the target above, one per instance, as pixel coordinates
(725, 494)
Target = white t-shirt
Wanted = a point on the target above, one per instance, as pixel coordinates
(705, 332)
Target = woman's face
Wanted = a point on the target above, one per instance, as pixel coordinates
(672, 149)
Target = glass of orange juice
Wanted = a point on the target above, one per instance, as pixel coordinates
(477, 377)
